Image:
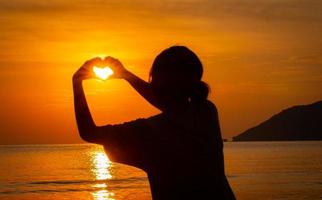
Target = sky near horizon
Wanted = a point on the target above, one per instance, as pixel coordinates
(259, 57)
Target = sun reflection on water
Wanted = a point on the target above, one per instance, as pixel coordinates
(102, 165)
(101, 170)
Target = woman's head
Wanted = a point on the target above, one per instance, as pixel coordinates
(176, 76)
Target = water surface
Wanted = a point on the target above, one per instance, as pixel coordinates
(256, 170)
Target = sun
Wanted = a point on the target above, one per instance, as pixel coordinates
(102, 73)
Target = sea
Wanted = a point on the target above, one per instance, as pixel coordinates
(255, 170)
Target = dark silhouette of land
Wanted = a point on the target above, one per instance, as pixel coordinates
(302, 122)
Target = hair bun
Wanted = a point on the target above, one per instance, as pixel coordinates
(200, 92)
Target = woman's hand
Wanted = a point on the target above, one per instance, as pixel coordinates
(119, 70)
(86, 70)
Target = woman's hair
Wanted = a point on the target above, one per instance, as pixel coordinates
(177, 72)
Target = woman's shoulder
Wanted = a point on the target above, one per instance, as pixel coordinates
(207, 108)
(210, 105)
(155, 119)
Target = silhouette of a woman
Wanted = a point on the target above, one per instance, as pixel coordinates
(180, 149)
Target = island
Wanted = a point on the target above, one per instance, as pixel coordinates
(302, 122)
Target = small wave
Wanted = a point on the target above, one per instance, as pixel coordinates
(131, 179)
(51, 190)
(60, 186)
(67, 182)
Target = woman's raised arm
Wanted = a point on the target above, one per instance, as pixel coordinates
(86, 126)
(141, 86)
(85, 123)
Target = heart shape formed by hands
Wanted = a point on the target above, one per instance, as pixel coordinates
(102, 73)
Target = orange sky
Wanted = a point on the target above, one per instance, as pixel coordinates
(259, 57)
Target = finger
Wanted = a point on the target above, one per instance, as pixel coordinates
(94, 61)
(110, 60)
(91, 60)
(113, 76)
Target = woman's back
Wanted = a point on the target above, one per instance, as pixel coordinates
(187, 160)
(181, 153)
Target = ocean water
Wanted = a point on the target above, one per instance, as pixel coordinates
(256, 170)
